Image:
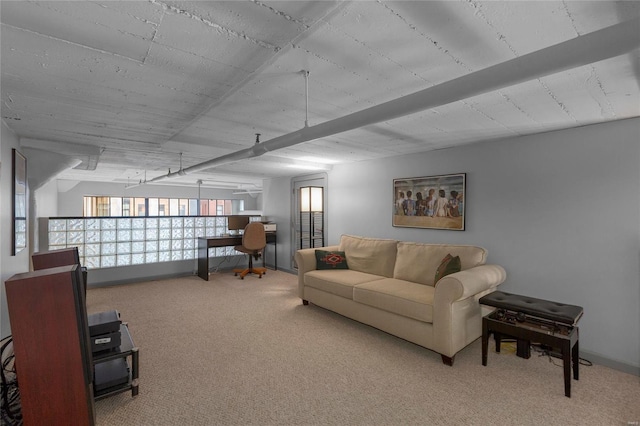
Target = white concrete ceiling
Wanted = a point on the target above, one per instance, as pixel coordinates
(135, 89)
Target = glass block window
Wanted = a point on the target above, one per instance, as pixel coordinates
(109, 242)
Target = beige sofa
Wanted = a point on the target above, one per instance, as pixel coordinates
(390, 285)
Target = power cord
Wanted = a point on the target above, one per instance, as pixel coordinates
(544, 350)
(10, 394)
(225, 259)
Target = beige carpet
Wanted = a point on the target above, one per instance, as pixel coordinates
(247, 352)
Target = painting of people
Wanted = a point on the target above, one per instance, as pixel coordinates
(430, 202)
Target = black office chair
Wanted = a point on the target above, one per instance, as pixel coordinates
(254, 241)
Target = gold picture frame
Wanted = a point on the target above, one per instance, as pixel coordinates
(432, 202)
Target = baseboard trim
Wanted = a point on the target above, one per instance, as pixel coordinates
(138, 279)
(610, 363)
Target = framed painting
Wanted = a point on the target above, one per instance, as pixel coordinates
(434, 202)
(19, 201)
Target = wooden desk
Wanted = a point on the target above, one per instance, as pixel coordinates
(205, 243)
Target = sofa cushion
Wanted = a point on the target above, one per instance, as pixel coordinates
(404, 298)
(339, 282)
(449, 265)
(371, 255)
(418, 262)
(326, 259)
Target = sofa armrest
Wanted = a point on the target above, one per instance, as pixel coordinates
(467, 283)
(456, 310)
(306, 261)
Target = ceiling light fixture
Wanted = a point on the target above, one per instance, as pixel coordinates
(308, 167)
(318, 160)
(247, 191)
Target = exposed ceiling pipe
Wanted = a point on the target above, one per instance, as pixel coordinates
(87, 155)
(44, 166)
(596, 46)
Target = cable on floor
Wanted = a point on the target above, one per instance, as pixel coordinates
(10, 393)
(547, 351)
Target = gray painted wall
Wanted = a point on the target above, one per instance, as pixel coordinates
(45, 202)
(560, 211)
(277, 208)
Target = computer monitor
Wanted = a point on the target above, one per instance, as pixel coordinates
(238, 223)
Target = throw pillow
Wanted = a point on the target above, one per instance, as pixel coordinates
(449, 265)
(331, 260)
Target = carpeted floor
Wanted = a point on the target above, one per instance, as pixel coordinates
(247, 352)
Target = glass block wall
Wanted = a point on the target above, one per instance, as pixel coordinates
(108, 242)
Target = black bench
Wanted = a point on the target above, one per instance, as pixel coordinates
(529, 319)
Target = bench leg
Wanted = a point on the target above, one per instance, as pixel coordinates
(485, 341)
(576, 361)
(566, 363)
(523, 348)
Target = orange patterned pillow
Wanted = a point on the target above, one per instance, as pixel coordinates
(331, 260)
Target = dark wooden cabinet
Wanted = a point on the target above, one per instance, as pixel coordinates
(54, 258)
(52, 347)
(51, 259)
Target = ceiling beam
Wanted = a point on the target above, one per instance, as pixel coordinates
(596, 46)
